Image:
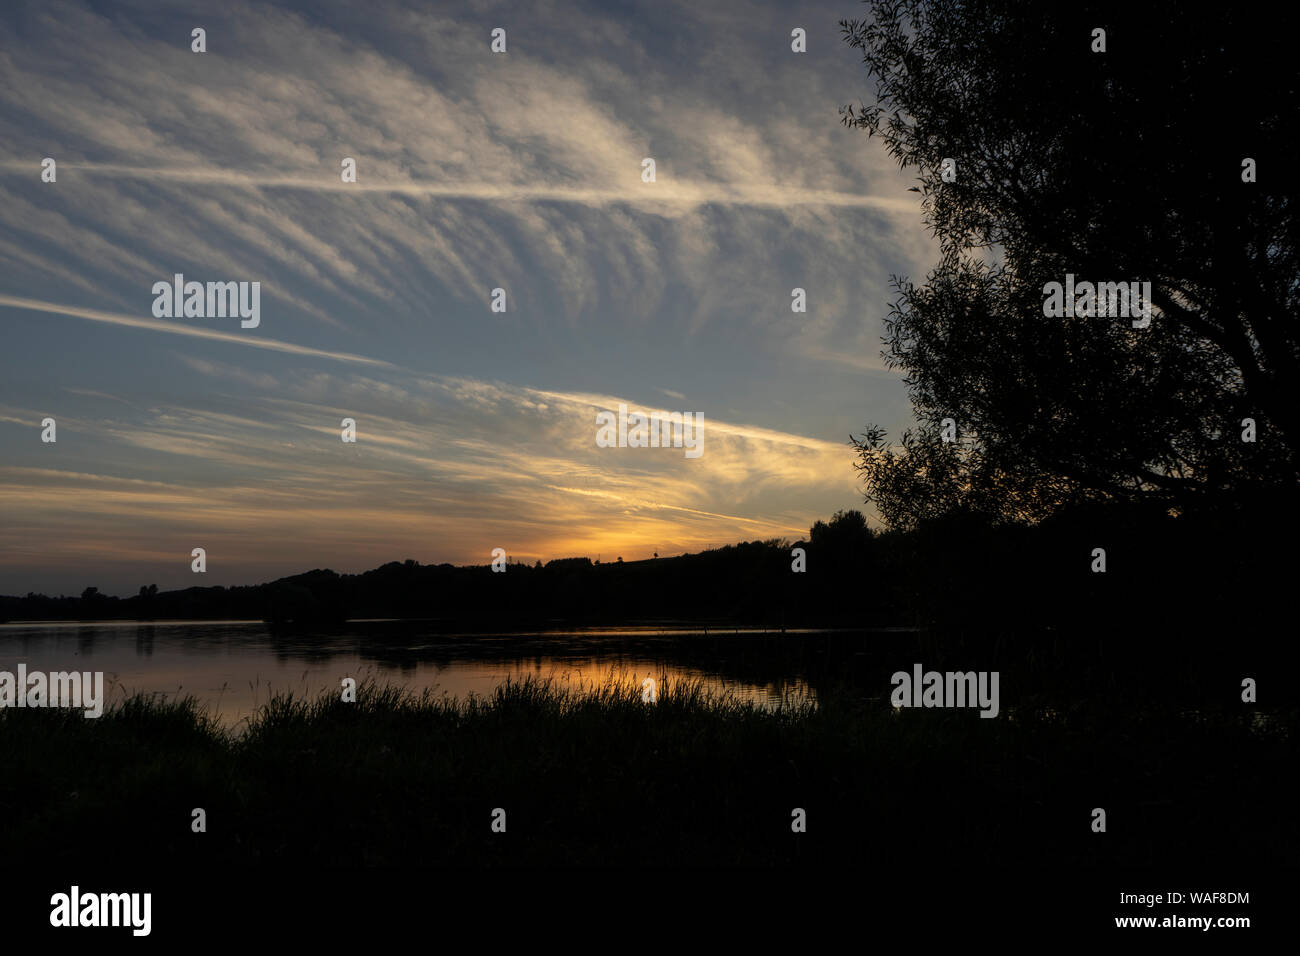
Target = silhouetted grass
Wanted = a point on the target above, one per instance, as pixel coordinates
(600, 777)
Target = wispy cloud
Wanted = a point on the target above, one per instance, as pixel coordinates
(772, 195)
(443, 469)
(475, 172)
(153, 325)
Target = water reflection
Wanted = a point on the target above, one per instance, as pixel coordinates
(235, 667)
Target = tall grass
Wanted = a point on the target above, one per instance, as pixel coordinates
(596, 775)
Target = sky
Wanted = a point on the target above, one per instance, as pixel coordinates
(475, 171)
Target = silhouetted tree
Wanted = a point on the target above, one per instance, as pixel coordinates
(846, 533)
(1124, 165)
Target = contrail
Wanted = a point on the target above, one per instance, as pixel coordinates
(130, 321)
(668, 191)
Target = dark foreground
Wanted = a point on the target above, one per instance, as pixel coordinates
(689, 780)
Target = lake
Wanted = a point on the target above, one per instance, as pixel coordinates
(233, 667)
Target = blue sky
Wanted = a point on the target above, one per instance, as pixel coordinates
(476, 170)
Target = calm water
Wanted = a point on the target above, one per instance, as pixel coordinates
(234, 667)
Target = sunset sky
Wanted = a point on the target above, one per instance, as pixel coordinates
(476, 170)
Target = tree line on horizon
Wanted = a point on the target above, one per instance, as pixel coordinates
(960, 571)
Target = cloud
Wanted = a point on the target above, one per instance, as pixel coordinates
(129, 321)
(646, 195)
(470, 466)
(476, 172)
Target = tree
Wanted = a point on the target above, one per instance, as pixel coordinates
(847, 531)
(844, 542)
(1116, 166)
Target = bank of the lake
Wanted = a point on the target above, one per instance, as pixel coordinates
(601, 777)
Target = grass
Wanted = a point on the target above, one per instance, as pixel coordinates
(599, 777)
